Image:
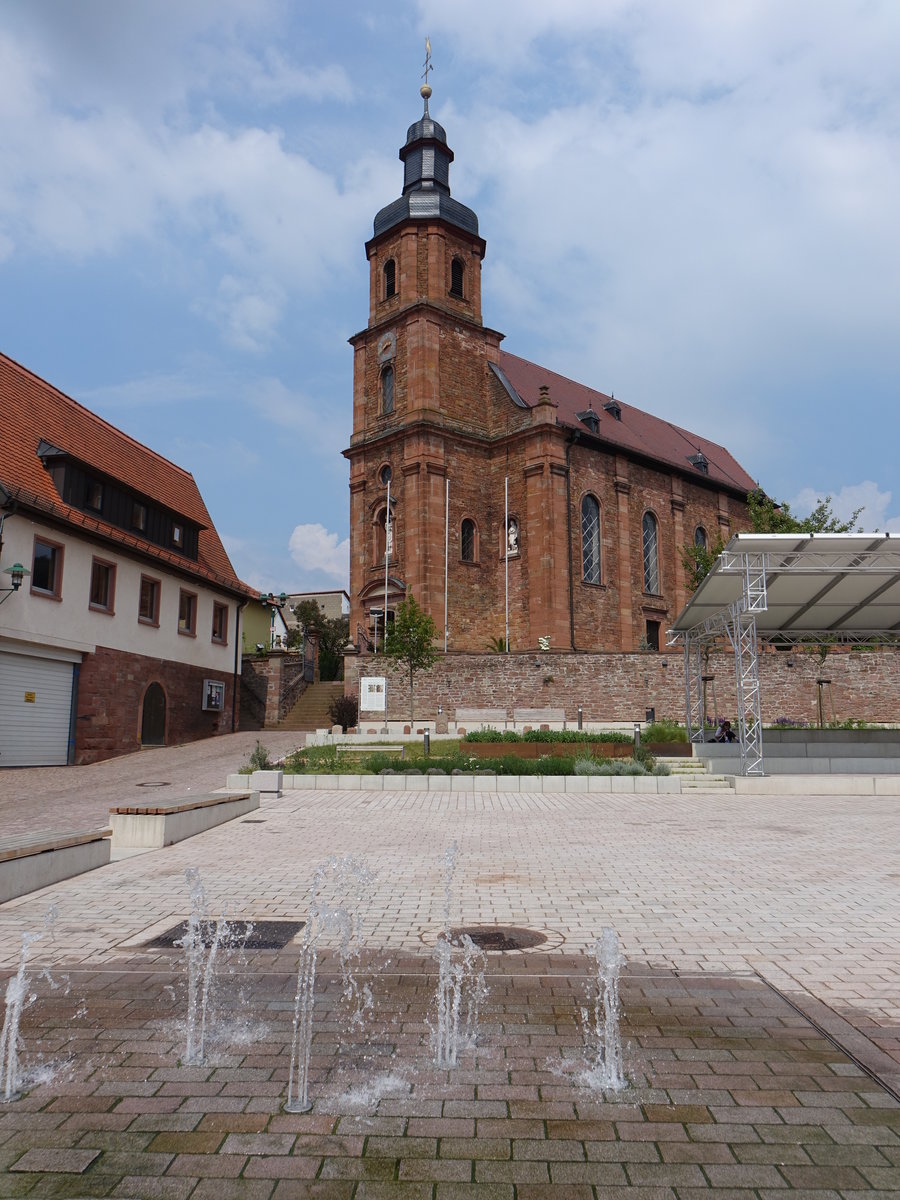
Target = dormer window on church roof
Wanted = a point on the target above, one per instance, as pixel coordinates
(590, 418)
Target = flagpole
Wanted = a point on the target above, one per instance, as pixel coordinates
(446, 556)
(387, 555)
(506, 539)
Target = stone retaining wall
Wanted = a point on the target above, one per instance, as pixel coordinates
(622, 687)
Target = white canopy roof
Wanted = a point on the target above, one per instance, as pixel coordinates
(815, 584)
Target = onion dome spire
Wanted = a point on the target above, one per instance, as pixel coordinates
(426, 161)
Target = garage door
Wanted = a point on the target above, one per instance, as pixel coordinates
(35, 703)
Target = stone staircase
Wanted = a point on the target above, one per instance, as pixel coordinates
(695, 776)
(311, 710)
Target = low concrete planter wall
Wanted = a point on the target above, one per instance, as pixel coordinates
(646, 784)
(532, 750)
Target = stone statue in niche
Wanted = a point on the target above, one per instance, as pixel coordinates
(512, 536)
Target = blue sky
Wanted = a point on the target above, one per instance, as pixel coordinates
(692, 204)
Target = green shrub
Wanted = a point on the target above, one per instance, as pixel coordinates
(344, 711)
(544, 735)
(664, 730)
(573, 735)
(608, 766)
(259, 759)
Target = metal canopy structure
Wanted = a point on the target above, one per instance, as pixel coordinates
(786, 589)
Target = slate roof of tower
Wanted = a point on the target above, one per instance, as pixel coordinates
(33, 410)
(426, 183)
(637, 432)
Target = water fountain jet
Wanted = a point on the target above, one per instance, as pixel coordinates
(343, 877)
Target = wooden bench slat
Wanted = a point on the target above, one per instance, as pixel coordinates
(22, 845)
(166, 808)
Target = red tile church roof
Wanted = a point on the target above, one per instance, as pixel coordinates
(636, 433)
(33, 410)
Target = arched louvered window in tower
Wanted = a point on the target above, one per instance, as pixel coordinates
(650, 530)
(390, 279)
(387, 390)
(590, 539)
(457, 276)
(700, 538)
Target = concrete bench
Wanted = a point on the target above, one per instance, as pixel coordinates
(157, 823)
(489, 716)
(32, 861)
(468, 719)
(539, 716)
(371, 748)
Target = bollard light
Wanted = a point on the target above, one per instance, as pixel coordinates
(427, 737)
(579, 716)
(637, 734)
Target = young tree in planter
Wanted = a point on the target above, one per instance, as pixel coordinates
(410, 642)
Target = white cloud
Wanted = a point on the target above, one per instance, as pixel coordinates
(187, 386)
(316, 549)
(231, 202)
(314, 426)
(875, 503)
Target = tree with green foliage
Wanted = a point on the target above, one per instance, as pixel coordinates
(410, 642)
(332, 633)
(767, 516)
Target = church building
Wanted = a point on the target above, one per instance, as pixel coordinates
(505, 497)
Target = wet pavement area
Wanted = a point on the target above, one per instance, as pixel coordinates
(760, 996)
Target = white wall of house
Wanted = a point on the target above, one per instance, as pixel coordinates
(70, 622)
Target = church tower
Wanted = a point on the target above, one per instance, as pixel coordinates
(419, 383)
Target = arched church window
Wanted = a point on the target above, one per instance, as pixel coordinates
(650, 532)
(590, 539)
(387, 389)
(700, 538)
(457, 275)
(467, 540)
(390, 279)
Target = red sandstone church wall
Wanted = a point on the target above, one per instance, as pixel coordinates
(621, 687)
(111, 690)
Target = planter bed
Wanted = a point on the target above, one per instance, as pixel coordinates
(669, 749)
(547, 749)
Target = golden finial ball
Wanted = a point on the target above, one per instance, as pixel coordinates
(425, 91)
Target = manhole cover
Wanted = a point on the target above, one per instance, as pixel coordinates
(155, 783)
(254, 935)
(500, 937)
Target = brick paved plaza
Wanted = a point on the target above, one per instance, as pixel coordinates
(755, 932)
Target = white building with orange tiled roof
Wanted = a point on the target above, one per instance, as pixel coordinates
(124, 629)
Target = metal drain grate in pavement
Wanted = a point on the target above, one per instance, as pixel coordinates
(500, 937)
(252, 935)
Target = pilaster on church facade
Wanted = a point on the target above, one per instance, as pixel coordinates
(515, 493)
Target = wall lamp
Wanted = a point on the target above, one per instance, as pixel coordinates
(16, 573)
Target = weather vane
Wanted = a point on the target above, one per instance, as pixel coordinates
(425, 89)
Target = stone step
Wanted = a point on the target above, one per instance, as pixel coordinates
(311, 710)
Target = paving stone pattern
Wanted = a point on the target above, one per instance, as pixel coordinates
(734, 1091)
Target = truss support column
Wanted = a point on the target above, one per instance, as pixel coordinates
(693, 688)
(742, 634)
